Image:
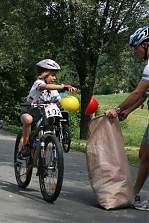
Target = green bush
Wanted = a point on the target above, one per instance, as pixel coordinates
(74, 122)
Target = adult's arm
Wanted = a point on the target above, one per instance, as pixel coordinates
(131, 100)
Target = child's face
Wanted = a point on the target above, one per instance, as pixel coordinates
(51, 77)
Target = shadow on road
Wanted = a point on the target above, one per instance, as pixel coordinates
(74, 194)
(80, 195)
(12, 188)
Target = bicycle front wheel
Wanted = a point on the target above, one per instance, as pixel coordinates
(52, 169)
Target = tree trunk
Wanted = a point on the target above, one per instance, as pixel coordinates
(86, 93)
(86, 68)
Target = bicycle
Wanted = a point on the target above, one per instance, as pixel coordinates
(46, 153)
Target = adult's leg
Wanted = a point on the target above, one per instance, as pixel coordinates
(143, 168)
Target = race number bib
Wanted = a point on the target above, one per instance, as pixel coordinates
(52, 110)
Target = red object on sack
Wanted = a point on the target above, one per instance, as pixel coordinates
(92, 106)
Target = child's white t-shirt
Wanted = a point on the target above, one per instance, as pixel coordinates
(38, 96)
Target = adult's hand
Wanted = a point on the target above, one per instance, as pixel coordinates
(112, 113)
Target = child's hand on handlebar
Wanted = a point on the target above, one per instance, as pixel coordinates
(70, 88)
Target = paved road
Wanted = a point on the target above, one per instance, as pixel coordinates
(76, 204)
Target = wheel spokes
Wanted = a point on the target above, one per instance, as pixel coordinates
(51, 177)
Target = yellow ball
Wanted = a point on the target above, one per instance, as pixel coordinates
(70, 103)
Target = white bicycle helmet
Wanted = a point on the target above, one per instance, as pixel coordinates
(139, 36)
(48, 64)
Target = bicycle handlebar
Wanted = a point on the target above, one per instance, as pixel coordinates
(34, 105)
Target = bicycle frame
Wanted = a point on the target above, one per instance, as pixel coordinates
(43, 126)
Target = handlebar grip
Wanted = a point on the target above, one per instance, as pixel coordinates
(33, 105)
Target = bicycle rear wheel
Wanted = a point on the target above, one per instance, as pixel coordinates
(23, 168)
(51, 172)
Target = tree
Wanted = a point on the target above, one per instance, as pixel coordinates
(91, 28)
(77, 32)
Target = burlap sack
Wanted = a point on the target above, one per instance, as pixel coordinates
(107, 163)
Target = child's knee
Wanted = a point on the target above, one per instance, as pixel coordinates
(26, 119)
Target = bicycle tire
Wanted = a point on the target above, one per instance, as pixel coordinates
(66, 135)
(52, 145)
(18, 166)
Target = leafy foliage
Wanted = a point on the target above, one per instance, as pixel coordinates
(87, 37)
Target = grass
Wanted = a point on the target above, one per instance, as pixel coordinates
(132, 155)
(12, 128)
(132, 128)
(79, 145)
(131, 152)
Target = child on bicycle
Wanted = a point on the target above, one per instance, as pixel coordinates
(42, 90)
